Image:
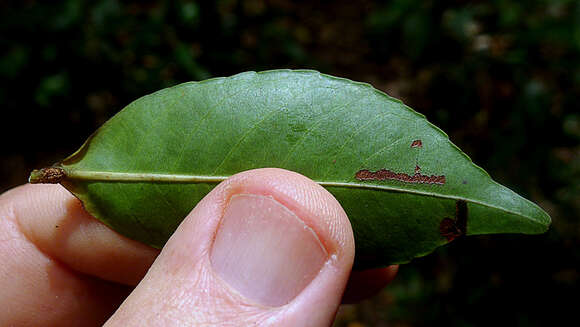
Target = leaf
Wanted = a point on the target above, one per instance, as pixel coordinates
(406, 188)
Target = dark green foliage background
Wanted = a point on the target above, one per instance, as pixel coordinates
(502, 78)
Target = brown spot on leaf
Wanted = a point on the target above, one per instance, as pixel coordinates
(417, 144)
(453, 228)
(50, 175)
(448, 229)
(385, 174)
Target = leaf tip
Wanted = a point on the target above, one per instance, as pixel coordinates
(541, 219)
(49, 175)
(546, 221)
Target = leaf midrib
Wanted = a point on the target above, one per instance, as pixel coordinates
(179, 178)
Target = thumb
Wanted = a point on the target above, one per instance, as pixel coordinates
(265, 247)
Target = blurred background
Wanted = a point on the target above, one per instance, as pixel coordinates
(501, 77)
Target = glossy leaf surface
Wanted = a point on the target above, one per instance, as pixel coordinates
(406, 188)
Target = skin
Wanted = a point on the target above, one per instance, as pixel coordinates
(62, 267)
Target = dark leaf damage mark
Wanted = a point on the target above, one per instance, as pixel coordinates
(417, 144)
(51, 175)
(453, 228)
(385, 174)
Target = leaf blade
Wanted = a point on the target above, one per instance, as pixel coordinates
(167, 150)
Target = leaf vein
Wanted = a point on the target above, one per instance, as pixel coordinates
(133, 177)
(366, 160)
(193, 131)
(357, 132)
(244, 136)
(292, 151)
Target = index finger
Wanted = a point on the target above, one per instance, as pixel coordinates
(57, 224)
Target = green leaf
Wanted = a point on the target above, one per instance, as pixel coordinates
(406, 188)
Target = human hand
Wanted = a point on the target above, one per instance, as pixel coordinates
(265, 247)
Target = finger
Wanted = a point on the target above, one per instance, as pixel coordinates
(36, 288)
(266, 247)
(55, 221)
(366, 283)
